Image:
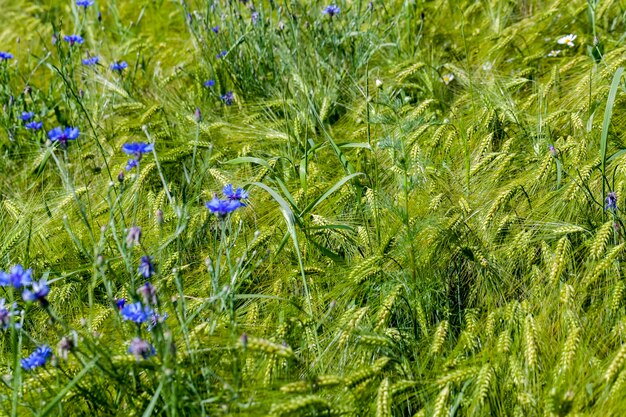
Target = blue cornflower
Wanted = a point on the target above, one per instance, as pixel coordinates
(132, 163)
(209, 83)
(238, 194)
(221, 208)
(611, 201)
(27, 115)
(228, 98)
(34, 125)
(255, 17)
(63, 135)
(331, 10)
(6, 313)
(92, 60)
(5, 56)
(17, 277)
(141, 349)
(38, 293)
(146, 268)
(136, 312)
(137, 148)
(84, 3)
(120, 303)
(215, 29)
(221, 55)
(119, 66)
(38, 358)
(72, 39)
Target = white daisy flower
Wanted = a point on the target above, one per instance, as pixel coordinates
(554, 53)
(567, 40)
(447, 79)
(487, 66)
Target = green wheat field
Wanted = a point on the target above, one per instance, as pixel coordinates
(306, 208)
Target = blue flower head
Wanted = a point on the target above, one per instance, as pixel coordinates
(221, 55)
(38, 358)
(91, 61)
(216, 29)
(137, 149)
(611, 201)
(228, 98)
(17, 277)
(27, 115)
(84, 3)
(141, 349)
(222, 208)
(255, 17)
(331, 10)
(33, 125)
(120, 303)
(209, 83)
(6, 312)
(5, 56)
(132, 163)
(136, 312)
(59, 134)
(238, 194)
(146, 268)
(72, 39)
(38, 292)
(119, 66)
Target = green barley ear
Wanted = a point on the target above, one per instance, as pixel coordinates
(530, 341)
(367, 372)
(616, 364)
(482, 385)
(355, 320)
(439, 337)
(560, 259)
(307, 405)
(383, 400)
(601, 239)
(441, 409)
(386, 307)
(618, 295)
(602, 266)
(569, 349)
(366, 269)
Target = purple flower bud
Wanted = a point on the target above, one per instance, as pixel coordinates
(134, 236)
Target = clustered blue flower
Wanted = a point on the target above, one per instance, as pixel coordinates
(331, 10)
(209, 83)
(221, 55)
(146, 268)
(611, 201)
(6, 312)
(119, 66)
(38, 292)
(91, 61)
(36, 359)
(17, 277)
(73, 39)
(222, 207)
(33, 125)
(84, 3)
(62, 135)
(5, 56)
(228, 98)
(137, 149)
(136, 312)
(27, 115)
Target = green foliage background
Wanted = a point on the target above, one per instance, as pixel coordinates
(410, 247)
